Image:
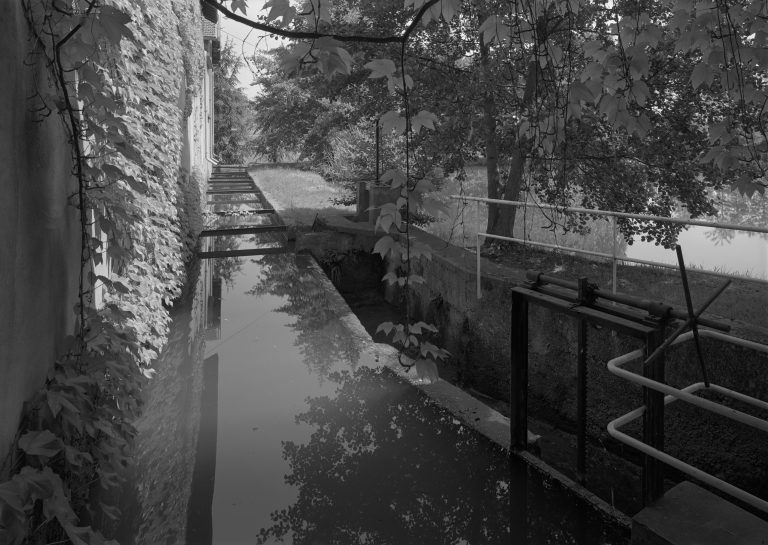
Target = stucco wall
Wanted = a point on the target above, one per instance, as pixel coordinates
(39, 232)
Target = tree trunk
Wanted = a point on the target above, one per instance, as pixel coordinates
(505, 221)
(491, 146)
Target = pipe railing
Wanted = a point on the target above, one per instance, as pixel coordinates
(686, 394)
(614, 257)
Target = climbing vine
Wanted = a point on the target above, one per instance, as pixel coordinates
(114, 73)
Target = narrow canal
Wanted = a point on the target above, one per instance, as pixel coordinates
(269, 422)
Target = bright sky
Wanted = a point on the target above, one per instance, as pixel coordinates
(246, 40)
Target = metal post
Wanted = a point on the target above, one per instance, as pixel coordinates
(477, 237)
(518, 384)
(653, 418)
(581, 388)
(614, 254)
(377, 149)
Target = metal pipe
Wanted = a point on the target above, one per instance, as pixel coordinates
(614, 255)
(477, 241)
(628, 259)
(378, 131)
(678, 464)
(614, 366)
(594, 212)
(629, 300)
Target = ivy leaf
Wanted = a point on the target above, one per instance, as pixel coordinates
(416, 279)
(494, 29)
(580, 91)
(114, 22)
(381, 68)
(386, 327)
(702, 74)
(449, 9)
(111, 512)
(592, 47)
(427, 369)
(239, 5)
(429, 349)
(423, 119)
(424, 325)
(10, 494)
(40, 443)
(34, 484)
(394, 176)
(280, 9)
(392, 278)
(386, 244)
(392, 121)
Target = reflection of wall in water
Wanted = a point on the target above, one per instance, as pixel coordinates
(213, 311)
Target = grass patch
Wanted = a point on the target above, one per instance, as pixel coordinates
(743, 301)
(298, 196)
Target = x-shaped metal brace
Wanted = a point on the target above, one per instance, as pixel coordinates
(692, 320)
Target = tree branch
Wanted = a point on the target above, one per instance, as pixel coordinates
(297, 34)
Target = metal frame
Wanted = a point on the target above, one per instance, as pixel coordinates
(585, 306)
(614, 257)
(686, 394)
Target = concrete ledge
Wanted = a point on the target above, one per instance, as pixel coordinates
(690, 515)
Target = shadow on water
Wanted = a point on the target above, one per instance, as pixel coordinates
(386, 466)
(366, 458)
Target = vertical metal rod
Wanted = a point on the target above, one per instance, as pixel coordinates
(581, 388)
(689, 303)
(477, 237)
(518, 383)
(653, 419)
(377, 149)
(614, 254)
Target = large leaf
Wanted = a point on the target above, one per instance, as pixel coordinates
(114, 22)
(427, 369)
(392, 121)
(423, 119)
(40, 443)
(381, 68)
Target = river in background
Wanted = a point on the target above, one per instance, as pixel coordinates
(737, 252)
(267, 423)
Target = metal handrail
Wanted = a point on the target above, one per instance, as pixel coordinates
(615, 258)
(686, 394)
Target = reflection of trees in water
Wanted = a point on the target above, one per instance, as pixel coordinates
(227, 268)
(323, 339)
(379, 469)
(384, 465)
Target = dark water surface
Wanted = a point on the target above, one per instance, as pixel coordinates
(279, 429)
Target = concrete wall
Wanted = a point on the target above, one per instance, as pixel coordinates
(477, 333)
(39, 231)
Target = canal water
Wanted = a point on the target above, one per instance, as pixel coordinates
(268, 422)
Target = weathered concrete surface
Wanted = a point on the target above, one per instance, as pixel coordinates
(689, 515)
(477, 335)
(39, 232)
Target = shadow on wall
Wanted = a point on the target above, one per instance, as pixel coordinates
(39, 231)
